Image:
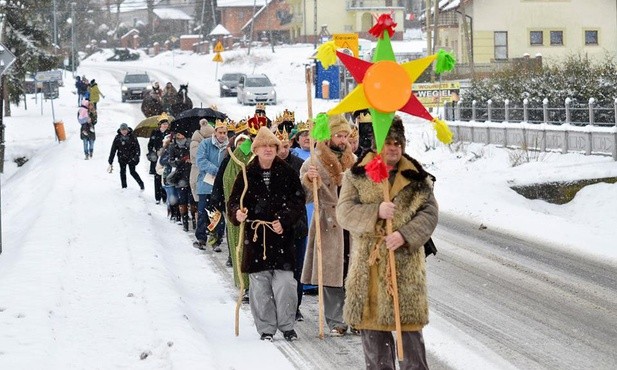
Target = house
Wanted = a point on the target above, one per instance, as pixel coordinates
(499, 31)
(265, 19)
(311, 18)
(306, 20)
(173, 17)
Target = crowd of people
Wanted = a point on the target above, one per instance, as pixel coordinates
(261, 174)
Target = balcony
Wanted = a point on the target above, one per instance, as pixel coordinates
(375, 4)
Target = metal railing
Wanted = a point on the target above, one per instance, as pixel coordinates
(533, 112)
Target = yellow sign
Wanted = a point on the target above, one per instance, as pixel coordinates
(217, 58)
(433, 95)
(347, 41)
(218, 47)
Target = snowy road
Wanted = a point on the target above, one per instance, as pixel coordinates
(533, 306)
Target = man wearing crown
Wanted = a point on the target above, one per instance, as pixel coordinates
(259, 119)
(210, 154)
(285, 121)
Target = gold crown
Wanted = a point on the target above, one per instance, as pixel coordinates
(231, 125)
(302, 126)
(260, 106)
(354, 132)
(163, 117)
(288, 116)
(221, 124)
(283, 136)
(253, 131)
(364, 118)
(241, 126)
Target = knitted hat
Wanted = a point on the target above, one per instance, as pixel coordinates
(124, 126)
(338, 123)
(397, 132)
(265, 137)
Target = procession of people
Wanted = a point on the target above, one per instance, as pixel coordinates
(253, 185)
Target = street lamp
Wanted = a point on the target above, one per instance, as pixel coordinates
(73, 38)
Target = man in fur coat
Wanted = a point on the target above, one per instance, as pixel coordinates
(413, 211)
(272, 205)
(332, 158)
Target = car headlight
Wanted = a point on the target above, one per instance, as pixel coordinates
(249, 93)
(124, 88)
(225, 87)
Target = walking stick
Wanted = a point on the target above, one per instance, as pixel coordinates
(397, 311)
(240, 242)
(309, 101)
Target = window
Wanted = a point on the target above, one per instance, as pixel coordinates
(536, 38)
(557, 38)
(501, 45)
(591, 38)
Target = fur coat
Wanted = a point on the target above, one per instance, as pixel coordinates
(368, 305)
(331, 170)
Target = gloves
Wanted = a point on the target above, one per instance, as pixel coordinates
(110, 168)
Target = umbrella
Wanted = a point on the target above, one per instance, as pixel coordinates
(145, 127)
(187, 121)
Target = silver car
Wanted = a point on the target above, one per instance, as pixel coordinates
(253, 89)
(228, 83)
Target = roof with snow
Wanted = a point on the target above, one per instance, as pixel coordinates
(219, 30)
(172, 14)
(234, 3)
(132, 5)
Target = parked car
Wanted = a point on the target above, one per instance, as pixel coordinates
(228, 83)
(253, 89)
(135, 86)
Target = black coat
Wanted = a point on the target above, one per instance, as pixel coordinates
(301, 226)
(217, 198)
(156, 140)
(127, 148)
(178, 156)
(283, 201)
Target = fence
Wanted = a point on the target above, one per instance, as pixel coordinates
(588, 129)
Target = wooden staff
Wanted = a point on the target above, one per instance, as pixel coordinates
(240, 242)
(397, 311)
(309, 101)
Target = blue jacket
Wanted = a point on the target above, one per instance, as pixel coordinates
(210, 154)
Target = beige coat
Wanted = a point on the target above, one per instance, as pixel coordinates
(331, 171)
(205, 131)
(368, 305)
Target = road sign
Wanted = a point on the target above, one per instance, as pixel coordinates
(433, 95)
(48, 76)
(218, 47)
(6, 59)
(217, 58)
(347, 41)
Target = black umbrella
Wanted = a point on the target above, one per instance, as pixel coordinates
(187, 121)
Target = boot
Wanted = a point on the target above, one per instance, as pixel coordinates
(194, 216)
(185, 217)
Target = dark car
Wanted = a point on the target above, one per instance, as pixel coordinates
(135, 86)
(228, 83)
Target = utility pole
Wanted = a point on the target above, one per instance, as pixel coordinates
(315, 24)
(55, 29)
(73, 38)
(427, 19)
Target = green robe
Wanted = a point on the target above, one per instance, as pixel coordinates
(233, 232)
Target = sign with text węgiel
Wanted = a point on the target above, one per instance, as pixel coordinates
(433, 95)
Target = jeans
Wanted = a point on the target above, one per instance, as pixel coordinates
(202, 217)
(88, 146)
(172, 195)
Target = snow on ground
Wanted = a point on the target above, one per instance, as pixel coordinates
(95, 276)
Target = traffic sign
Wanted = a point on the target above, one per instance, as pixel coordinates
(217, 58)
(48, 76)
(347, 41)
(219, 47)
(6, 59)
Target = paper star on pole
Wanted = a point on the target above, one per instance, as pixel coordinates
(384, 86)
